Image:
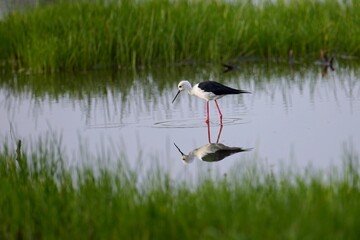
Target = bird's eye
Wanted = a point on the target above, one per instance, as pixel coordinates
(180, 86)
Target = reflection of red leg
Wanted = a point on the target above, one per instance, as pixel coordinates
(208, 127)
(207, 112)
(217, 105)
(219, 134)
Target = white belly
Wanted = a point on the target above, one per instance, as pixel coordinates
(196, 91)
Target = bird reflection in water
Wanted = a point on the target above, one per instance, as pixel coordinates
(211, 152)
(325, 62)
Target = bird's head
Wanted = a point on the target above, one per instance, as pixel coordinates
(185, 158)
(183, 85)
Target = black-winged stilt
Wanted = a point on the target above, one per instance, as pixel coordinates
(208, 90)
(229, 67)
(212, 152)
(325, 60)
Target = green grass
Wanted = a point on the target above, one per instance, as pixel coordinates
(42, 199)
(91, 34)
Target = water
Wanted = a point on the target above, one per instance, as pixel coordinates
(294, 117)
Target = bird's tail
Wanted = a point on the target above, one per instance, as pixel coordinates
(243, 91)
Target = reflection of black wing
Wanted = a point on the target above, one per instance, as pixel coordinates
(212, 152)
(220, 152)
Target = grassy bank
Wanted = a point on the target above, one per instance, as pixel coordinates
(87, 35)
(41, 199)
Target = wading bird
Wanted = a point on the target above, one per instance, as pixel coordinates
(207, 90)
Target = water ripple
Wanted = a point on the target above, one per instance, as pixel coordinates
(197, 123)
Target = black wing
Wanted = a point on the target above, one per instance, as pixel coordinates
(218, 88)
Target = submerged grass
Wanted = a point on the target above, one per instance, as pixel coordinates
(95, 34)
(41, 199)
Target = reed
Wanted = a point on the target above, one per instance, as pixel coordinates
(86, 35)
(43, 199)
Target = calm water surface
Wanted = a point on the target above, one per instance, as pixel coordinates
(294, 117)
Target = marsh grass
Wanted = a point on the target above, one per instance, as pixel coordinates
(118, 34)
(42, 199)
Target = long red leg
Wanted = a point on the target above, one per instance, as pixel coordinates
(219, 134)
(217, 105)
(208, 127)
(207, 112)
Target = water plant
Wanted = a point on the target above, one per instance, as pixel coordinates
(42, 198)
(101, 34)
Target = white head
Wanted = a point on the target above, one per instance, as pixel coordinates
(186, 158)
(183, 85)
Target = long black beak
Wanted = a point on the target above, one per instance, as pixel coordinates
(179, 148)
(175, 98)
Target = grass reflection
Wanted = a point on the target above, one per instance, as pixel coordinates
(151, 90)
